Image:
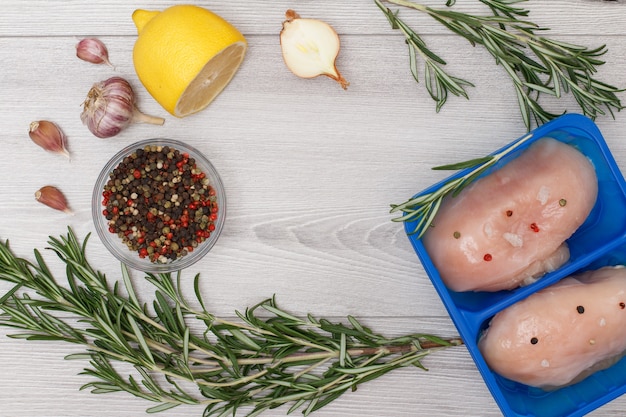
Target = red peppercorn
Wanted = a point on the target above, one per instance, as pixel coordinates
(151, 207)
(487, 257)
(534, 227)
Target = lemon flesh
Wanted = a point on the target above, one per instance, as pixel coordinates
(211, 80)
(185, 56)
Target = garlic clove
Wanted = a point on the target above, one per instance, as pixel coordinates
(310, 48)
(93, 50)
(52, 197)
(49, 136)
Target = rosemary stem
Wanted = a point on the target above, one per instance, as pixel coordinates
(260, 362)
(310, 368)
(409, 4)
(165, 349)
(536, 64)
(513, 146)
(242, 326)
(419, 207)
(223, 360)
(235, 382)
(326, 354)
(342, 378)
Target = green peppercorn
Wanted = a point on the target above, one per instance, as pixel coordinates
(157, 201)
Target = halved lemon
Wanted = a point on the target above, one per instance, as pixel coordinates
(185, 56)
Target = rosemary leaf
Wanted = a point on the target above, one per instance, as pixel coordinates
(161, 407)
(536, 65)
(9, 294)
(423, 208)
(140, 339)
(466, 164)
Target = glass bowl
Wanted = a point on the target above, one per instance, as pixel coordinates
(162, 217)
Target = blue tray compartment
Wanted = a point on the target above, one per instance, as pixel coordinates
(600, 241)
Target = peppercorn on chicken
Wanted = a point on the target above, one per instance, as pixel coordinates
(509, 227)
(562, 333)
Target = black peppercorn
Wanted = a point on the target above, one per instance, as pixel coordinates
(155, 199)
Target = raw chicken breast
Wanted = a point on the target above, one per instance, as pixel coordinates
(509, 227)
(562, 333)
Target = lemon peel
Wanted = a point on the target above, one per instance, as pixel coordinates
(185, 56)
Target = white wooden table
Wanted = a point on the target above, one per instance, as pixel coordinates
(309, 170)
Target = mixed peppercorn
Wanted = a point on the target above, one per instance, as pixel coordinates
(160, 203)
(509, 213)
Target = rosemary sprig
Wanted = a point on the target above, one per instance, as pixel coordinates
(535, 64)
(423, 208)
(253, 361)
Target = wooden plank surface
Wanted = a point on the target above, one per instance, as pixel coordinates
(310, 171)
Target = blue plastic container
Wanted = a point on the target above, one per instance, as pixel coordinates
(600, 241)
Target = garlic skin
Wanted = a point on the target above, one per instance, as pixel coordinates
(49, 136)
(52, 197)
(110, 108)
(310, 48)
(93, 50)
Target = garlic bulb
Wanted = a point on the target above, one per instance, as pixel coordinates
(310, 48)
(49, 136)
(93, 50)
(110, 108)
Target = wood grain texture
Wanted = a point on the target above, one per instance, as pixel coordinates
(310, 171)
